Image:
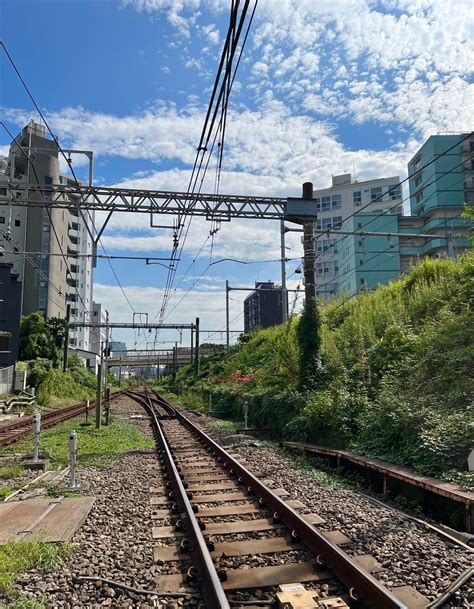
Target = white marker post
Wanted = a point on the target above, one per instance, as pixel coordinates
(72, 460)
(36, 435)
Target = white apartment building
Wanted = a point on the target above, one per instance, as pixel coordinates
(54, 266)
(334, 205)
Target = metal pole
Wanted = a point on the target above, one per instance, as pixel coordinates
(227, 316)
(106, 360)
(284, 294)
(66, 336)
(36, 435)
(246, 414)
(175, 360)
(450, 248)
(196, 360)
(72, 460)
(192, 343)
(309, 252)
(98, 409)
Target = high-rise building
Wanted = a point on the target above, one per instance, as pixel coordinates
(263, 307)
(54, 271)
(10, 299)
(333, 206)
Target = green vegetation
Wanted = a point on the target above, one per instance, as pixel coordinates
(94, 447)
(58, 388)
(11, 471)
(19, 556)
(394, 377)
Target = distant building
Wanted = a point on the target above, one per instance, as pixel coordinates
(263, 307)
(117, 347)
(333, 206)
(10, 301)
(438, 194)
(33, 158)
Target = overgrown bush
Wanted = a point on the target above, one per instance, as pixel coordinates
(394, 378)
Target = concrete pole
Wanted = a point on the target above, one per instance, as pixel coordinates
(450, 247)
(309, 252)
(284, 293)
(98, 405)
(72, 460)
(196, 360)
(175, 360)
(192, 344)
(106, 359)
(36, 435)
(227, 316)
(66, 336)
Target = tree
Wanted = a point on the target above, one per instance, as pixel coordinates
(41, 339)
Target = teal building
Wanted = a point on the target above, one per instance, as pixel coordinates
(441, 183)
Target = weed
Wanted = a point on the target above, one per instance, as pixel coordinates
(11, 471)
(95, 447)
(229, 426)
(19, 556)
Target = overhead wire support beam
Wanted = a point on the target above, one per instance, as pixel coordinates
(130, 325)
(99, 198)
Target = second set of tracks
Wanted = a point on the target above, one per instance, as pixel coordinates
(222, 531)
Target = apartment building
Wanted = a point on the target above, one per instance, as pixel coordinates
(334, 205)
(47, 247)
(263, 307)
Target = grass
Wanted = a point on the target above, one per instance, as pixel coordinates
(16, 557)
(11, 471)
(229, 426)
(24, 603)
(95, 447)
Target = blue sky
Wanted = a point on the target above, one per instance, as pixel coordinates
(324, 87)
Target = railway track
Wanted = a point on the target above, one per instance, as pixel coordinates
(217, 524)
(13, 432)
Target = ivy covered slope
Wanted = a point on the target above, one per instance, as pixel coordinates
(394, 378)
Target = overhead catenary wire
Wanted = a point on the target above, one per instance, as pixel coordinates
(231, 43)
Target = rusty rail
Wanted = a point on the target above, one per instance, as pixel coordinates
(13, 432)
(347, 570)
(211, 587)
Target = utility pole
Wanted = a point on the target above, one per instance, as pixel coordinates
(175, 360)
(309, 252)
(106, 361)
(450, 247)
(66, 336)
(284, 294)
(309, 330)
(192, 344)
(227, 322)
(196, 355)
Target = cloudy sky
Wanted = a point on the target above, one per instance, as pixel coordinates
(325, 87)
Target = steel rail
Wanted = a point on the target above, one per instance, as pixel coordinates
(211, 587)
(13, 432)
(346, 569)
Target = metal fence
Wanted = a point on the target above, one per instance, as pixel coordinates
(7, 376)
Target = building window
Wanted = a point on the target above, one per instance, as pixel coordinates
(319, 268)
(2, 220)
(326, 204)
(336, 201)
(48, 180)
(17, 223)
(418, 179)
(357, 198)
(375, 193)
(318, 204)
(419, 196)
(395, 191)
(327, 223)
(318, 224)
(416, 162)
(337, 222)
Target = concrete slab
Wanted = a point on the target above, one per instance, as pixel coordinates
(45, 519)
